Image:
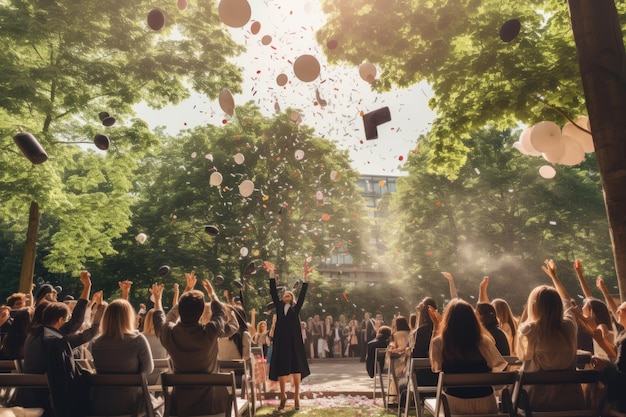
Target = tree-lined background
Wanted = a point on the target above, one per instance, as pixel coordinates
(470, 203)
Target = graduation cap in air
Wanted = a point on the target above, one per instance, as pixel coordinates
(374, 118)
(163, 271)
(510, 29)
(270, 306)
(297, 284)
(212, 230)
(30, 147)
(106, 119)
(219, 280)
(101, 141)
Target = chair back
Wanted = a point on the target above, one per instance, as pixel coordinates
(414, 389)
(493, 379)
(521, 398)
(379, 370)
(124, 380)
(10, 381)
(203, 380)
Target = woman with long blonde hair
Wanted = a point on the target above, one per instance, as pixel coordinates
(120, 349)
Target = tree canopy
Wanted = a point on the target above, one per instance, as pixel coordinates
(478, 80)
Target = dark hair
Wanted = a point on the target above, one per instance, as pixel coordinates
(384, 333)
(599, 311)
(53, 312)
(487, 315)
(424, 317)
(413, 320)
(44, 290)
(461, 333)
(13, 342)
(12, 299)
(37, 315)
(191, 306)
(402, 324)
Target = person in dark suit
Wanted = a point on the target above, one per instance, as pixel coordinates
(381, 341)
(288, 354)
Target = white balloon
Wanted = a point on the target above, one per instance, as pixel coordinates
(547, 172)
(243, 251)
(584, 138)
(234, 13)
(306, 68)
(574, 152)
(319, 195)
(281, 79)
(294, 116)
(299, 154)
(194, 154)
(545, 136)
(334, 175)
(527, 147)
(239, 158)
(216, 179)
(141, 238)
(246, 188)
(555, 154)
(209, 157)
(227, 101)
(367, 71)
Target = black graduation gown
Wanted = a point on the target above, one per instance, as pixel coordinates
(288, 354)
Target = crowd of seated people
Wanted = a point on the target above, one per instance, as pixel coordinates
(547, 336)
(47, 336)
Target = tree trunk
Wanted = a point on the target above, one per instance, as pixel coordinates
(602, 60)
(30, 249)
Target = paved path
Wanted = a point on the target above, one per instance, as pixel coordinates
(335, 377)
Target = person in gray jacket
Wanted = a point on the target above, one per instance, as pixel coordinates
(193, 346)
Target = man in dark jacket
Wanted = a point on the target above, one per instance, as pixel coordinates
(381, 341)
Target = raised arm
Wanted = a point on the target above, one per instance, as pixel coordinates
(578, 267)
(176, 294)
(125, 287)
(453, 292)
(610, 302)
(550, 270)
(482, 290)
(209, 290)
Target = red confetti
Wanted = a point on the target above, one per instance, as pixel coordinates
(401, 158)
(224, 121)
(345, 297)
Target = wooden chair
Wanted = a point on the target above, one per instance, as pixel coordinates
(124, 380)
(10, 381)
(414, 391)
(521, 399)
(379, 371)
(164, 365)
(259, 373)
(86, 364)
(395, 361)
(244, 378)
(493, 379)
(237, 405)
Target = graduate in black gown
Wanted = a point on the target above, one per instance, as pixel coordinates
(288, 354)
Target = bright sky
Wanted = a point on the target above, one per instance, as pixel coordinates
(292, 26)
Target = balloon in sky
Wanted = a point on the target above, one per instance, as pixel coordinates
(234, 13)
(266, 40)
(574, 152)
(547, 172)
(182, 4)
(239, 158)
(367, 71)
(141, 238)
(299, 154)
(216, 179)
(281, 79)
(545, 136)
(306, 68)
(255, 27)
(227, 102)
(581, 136)
(243, 251)
(246, 188)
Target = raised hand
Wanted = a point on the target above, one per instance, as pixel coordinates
(270, 268)
(191, 279)
(482, 290)
(578, 266)
(96, 299)
(600, 284)
(447, 276)
(125, 287)
(307, 271)
(209, 289)
(157, 292)
(549, 268)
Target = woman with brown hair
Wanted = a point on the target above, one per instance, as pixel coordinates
(462, 345)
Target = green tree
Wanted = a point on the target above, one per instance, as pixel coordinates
(62, 64)
(498, 218)
(282, 221)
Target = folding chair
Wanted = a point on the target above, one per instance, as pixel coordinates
(100, 381)
(86, 364)
(393, 376)
(415, 391)
(10, 381)
(161, 365)
(244, 379)
(204, 381)
(522, 400)
(7, 366)
(493, 379)
(379, 370)
(259, 372)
